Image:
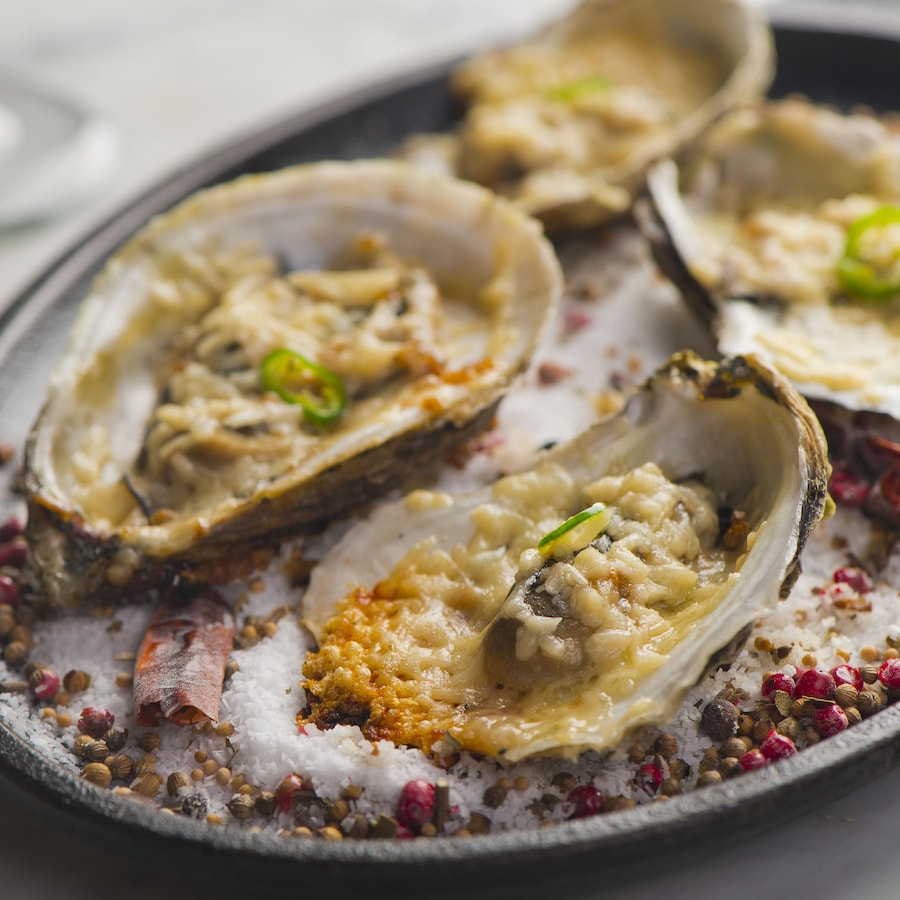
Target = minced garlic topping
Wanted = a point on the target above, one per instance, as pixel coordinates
(508, 652)
(547, 117)
(821, 337)
(380, 326)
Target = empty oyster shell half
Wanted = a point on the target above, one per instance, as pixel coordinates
(462, 623)
(566, 123)
(269, 354)
(753, 230)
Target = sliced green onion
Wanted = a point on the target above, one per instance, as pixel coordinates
(576, 533)
(297, 380)
(856, 275)
(570, 91)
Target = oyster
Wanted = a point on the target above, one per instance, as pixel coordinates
(391, 308)
(753, 230)
(450, 618)
(566, 123)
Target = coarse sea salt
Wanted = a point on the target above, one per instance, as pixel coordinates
(618, 322)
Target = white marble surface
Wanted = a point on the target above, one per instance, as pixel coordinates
(180, 76)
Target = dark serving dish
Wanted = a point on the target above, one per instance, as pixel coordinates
(32, 335)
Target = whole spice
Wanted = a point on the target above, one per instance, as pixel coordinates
(97, 773)
(176, 783)
(9, 591)
(830, 720)
(195, 805)
(241, 806)
(115, 739)
(287, 789)
(752, 759)
(648, 779)
(416, 803)
(666, 745)
(147, 785)
(777, 681)
(729, 766)
(44, 683)
(95, 721)
(75, 681)
(586, 800)
(493, 796)
(846, 695)
(15, 653)
(356, 825)
(121, 767)
(736, 746)
(7, 620)
(719, 719)
(265, 803)
(815, 684)
(869, 702)
(708, 778)
(777, 746)
(889, 674)
(95, 751)
(847, 675)
(789, 727)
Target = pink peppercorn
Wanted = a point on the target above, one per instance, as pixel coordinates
(830, 719)
(9, 591)
(13, 554)
(854, 577)
(11, 528)
(751, 760)
(846, 489)
(287, 788)
(95, 721)
(777, 682)
(648, 778)
(777, 746)
(815, 684)
(889, 673)
(847, 675)
(46, 684)
(587, 801)
(416, 803)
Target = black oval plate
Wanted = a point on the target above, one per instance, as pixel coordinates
(32, 335)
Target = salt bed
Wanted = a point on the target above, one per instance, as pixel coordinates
(618, 321)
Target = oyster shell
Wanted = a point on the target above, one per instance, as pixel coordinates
(567, 122)
(752, 228)
(158, 452)
(453, 625)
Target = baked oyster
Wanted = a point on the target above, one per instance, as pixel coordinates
(569, 604)
(567, 122)
(269, 354)
(757, 230)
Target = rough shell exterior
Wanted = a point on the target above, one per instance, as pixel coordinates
(307, 215)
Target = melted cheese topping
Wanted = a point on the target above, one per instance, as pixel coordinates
(549, 119)
(443, 646)
(215, 434)
(820, 336)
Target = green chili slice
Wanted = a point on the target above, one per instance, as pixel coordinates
(571, 91)
(297, 380)
(575, 533)
(858, 277)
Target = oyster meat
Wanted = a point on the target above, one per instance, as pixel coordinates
(449, 622)
(274, 352)
(567, 123)
(753, 230)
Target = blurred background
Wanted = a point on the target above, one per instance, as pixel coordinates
(156, 84)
